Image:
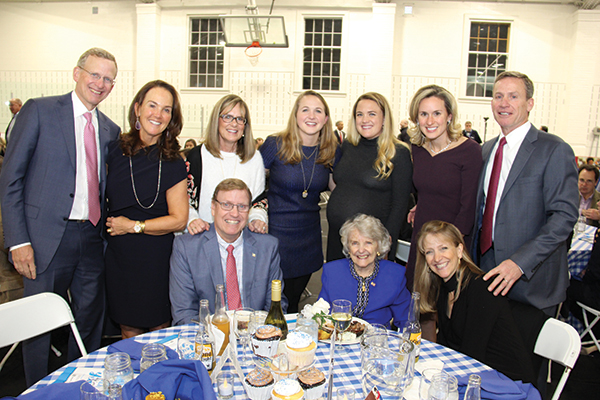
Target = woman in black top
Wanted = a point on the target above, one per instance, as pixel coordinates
(471, 319)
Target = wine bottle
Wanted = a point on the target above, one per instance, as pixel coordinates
(275, 316)
(221, 319)
(205, 341)
(412, 327)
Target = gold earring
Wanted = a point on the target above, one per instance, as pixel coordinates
(378, 254)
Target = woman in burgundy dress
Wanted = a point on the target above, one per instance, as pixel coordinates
(446, 166)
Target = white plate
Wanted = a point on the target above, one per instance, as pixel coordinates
(356, 340)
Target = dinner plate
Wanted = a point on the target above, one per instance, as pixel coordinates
(354, 341)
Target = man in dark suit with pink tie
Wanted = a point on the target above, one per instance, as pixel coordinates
(52, 193)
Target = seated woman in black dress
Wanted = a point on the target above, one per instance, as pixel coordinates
(471, 319)
(376, 287)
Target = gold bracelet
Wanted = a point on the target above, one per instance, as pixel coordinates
(143, 226)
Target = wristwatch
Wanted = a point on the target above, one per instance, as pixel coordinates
(139, 226)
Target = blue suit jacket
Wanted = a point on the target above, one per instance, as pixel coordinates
(537, 211)
(37, 184)
(196, 271)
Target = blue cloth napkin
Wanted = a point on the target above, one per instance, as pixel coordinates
(57, 391)
(134, 349)
(176, 379)
(495, 385)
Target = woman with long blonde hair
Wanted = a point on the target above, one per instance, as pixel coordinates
(300, 161)
(374, 174)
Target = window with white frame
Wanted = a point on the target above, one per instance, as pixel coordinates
(206, 53)
(488, 55)
(322, 53)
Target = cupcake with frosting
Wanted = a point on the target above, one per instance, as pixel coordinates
(258, 384)
(301, 349)
(265, 340)
(287, 389)
(312, 382)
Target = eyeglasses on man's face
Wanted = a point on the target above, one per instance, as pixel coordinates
(228, 118)
(243, 208)
(95, 77)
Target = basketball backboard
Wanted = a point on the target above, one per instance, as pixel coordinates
(242, 30)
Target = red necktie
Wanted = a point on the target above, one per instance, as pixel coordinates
(487, 225)
(233, 290)
(91, 164)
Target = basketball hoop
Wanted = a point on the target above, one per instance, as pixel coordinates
(252, 53)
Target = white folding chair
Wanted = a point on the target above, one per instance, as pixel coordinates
(588, 326)
(402, 250)
(31, 316)
(559, 342)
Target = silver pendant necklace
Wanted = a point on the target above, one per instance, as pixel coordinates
(157, 187)
(305, 191)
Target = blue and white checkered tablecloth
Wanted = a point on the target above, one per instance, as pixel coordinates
(346, 370)
(578, 257)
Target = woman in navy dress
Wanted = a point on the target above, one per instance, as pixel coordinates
(300, 160)
(147, 201)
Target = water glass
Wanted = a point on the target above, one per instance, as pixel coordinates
(346, 394)
(117, 369)
(580, 225)
(152, 353)
(241, 325)
(308, 326)
(438, 388)
(186, 344)
(386, 366)
(92, 390)
(257, 319)
(426, 378)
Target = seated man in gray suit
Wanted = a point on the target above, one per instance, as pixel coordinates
(228, 254)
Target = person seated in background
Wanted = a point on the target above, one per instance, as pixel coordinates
(376, 287)
(588, 195)
(471, 319)
(590, 160)
(585, 288)
(227, 254)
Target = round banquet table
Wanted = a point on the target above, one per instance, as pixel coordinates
(347, 372)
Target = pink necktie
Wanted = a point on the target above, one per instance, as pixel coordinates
(91, 164)
(487, 224)
(233, 290)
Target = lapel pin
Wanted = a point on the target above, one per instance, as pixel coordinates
(253, 255)
(372, 283)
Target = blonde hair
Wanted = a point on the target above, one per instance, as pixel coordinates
(290, 143)
(386, 142)
(245, 148)
(454, 128)
(428, 283)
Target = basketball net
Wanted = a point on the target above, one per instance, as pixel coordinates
(252, 53)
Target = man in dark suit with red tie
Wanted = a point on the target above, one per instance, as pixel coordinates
(523, 226)
(52, 192)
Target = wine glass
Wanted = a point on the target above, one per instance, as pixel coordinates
(241, 325)
(341, 313)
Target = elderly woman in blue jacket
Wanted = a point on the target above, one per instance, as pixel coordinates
(376, 287)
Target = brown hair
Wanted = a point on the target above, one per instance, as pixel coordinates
(245, 146)
(428, 283)
(518, 75)
(167, 143)
(229, 184)
(386, 142)
(290, 150)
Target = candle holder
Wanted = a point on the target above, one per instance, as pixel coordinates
(225, 385)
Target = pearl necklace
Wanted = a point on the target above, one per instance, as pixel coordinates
(444, 149)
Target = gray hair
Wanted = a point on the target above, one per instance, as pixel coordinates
(96, 52)
(370, 227)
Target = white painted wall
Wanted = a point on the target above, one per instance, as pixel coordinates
(556, 45)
